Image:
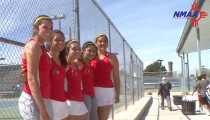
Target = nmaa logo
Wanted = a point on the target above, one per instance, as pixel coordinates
(184, 14)
(195, 14)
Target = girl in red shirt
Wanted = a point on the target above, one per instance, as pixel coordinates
(58, 75)
(78, 110)
(34, 102)
(107, 85)
(84, 64)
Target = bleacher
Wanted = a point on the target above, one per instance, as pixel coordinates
(9, 78)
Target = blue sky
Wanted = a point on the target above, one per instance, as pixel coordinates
(148, 26)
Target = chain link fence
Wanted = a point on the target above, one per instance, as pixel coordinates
(16, 28)
(93, 21)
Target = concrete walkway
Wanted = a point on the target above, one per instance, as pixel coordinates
(148, 108)
(156, 113)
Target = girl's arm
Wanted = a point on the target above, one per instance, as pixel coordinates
(33, 53)
(23, 75)
(116, 77)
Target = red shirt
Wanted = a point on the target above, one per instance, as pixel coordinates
(57, 77)
(87, 79)
(74, 80)
(43, 72)
(102, 72)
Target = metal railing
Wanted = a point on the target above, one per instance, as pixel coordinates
(153, 79)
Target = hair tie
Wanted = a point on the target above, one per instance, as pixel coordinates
(71, 42)
(98, 36)
(42, 17)
(89, 43)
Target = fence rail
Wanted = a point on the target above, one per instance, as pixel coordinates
(153, 79)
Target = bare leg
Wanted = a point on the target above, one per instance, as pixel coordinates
(66, 118)
(199, 103)
(72, 117)
(103, 112)
(75, 117)
(82, 117)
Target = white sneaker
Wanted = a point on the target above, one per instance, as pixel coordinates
(208, 112)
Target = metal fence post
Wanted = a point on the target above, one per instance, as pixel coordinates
(125, 73)
(132, 75)
(77, 20)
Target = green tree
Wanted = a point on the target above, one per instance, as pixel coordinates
(155, 67)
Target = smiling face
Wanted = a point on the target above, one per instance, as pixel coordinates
(102, 43)
(89, 52)
(73, 51)
(58, 42)
(44, 30)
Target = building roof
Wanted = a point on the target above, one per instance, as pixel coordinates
(188, 40)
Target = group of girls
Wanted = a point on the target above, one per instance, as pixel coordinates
(63, 83)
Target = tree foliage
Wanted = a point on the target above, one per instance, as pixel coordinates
(155, 67)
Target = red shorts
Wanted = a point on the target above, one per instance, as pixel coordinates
(199, 97)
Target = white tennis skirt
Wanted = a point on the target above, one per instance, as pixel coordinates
(76, 108)
(105, 96)
(28, 108)
(60, 110)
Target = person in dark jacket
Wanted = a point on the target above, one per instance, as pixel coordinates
(164, 92)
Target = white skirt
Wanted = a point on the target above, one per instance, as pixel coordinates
(105, 96)
(76, 108)
(60, 110)
(28, 108)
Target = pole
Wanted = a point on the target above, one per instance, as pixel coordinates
(125, 74)
(77, 20)
(183, 79)
(70, 38)
(160, 71)
(160, 61)
(59, 23)
(132, 76)
(198, 48)
(188, 72)
(137, 82)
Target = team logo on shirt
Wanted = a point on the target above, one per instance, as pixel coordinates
(55, 71)
(74, 73)
(87, 70)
